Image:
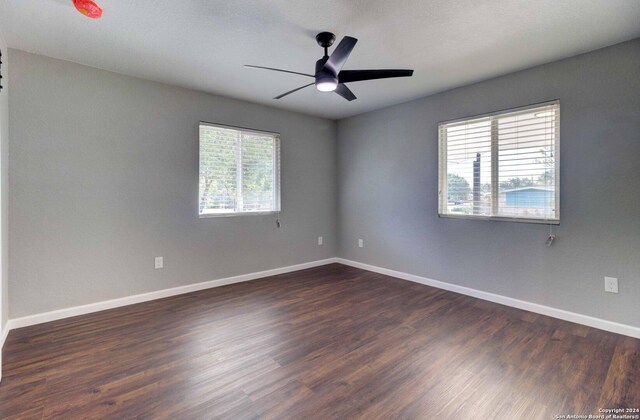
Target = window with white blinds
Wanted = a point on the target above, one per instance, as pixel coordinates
(502, 166)
(239, 171)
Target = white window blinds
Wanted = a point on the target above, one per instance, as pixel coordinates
(502, 166)
(239, 171)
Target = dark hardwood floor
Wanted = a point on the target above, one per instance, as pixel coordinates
(328, 342)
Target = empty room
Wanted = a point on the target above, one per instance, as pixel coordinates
(341, 209)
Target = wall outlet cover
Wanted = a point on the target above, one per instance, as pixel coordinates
(611, 284)
(159, 262)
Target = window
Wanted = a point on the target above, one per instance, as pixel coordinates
(239, 171)
(502, 166)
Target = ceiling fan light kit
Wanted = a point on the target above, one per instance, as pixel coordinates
(329, 76)
(326, 83)
(325, 80)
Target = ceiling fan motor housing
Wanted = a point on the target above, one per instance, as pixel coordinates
(325, 80)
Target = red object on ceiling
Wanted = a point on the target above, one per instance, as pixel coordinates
(88, 8)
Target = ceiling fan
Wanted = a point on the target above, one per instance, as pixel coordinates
(329, 76)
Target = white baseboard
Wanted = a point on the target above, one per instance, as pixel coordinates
(589, 321)
(159, 294)
(145, 297)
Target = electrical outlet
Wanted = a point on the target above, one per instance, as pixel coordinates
(320, 240)
(360, 243)
(611, 284)
(159, 262)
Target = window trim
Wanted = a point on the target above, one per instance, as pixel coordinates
(277, 174)
(442, 168)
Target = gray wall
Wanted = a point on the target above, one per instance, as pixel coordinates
(388, 172)
(4, 184)
(103, 177)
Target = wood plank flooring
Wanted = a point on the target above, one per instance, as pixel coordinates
(329, 342)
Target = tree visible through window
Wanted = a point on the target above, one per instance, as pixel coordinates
(502, 166)
(239, 171)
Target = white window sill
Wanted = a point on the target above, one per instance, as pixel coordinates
(236, 213)
(502, 219)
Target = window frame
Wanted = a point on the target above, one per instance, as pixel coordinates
(443, 176)
(277, 172)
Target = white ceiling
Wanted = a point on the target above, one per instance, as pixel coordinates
(202, 44)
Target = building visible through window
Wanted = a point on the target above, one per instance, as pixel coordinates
(503, 165)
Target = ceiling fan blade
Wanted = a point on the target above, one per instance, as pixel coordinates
(340, 55)
(347, 76)
(280, 70)
(345, 92)
(294, 90)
